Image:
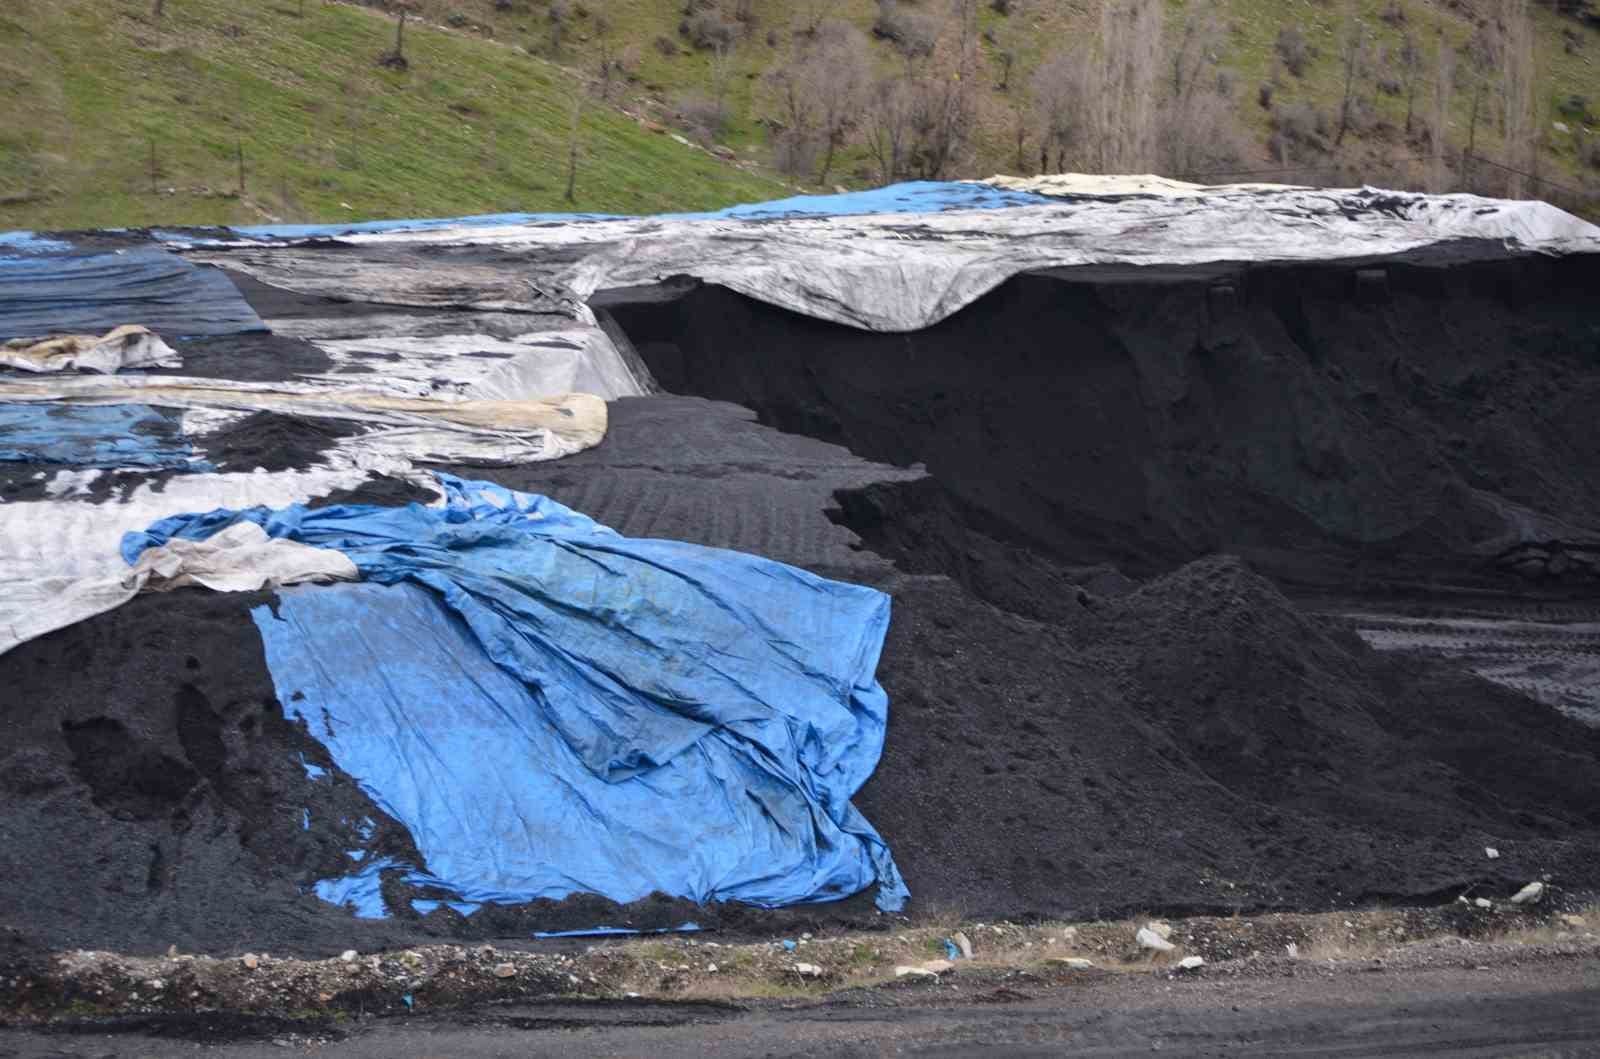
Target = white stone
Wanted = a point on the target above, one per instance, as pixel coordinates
(250, 960)
(506, 970)
(1073, 963)
(348, 956)
(1149, 939)
(904, 970)
(711, 968)
(1483, 902)
(1529, 894)
(1158, 927)
(1192, 963)
(1491, 853)
(963, 943)
(808, 970)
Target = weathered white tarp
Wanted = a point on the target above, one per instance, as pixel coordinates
(903, 272)
(240, 559)
(129, 346)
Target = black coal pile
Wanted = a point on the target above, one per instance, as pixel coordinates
(1103, 700)
(1365, 424)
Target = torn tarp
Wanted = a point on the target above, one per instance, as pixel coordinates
(552, 708)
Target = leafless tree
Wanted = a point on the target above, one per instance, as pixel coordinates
(572, 147)
(558, 15)
(722, 71)
(821, 88)
(1411, 71)
(1444, 72)
(1517, 73)
(1060, 106)
(1126, 86)
(888, 125)
(1352, 63)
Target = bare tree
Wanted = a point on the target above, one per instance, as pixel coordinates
(1127, 82)
(888, 126)
(1517, 72)
(1352, 61)
(559, 13)
(722, 71)
(1411, 70)
(572, 147)
(1444, 71)
(821, 88)
(1197, 123)
(1060, 114)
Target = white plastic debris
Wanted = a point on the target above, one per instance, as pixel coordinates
(808, 970)
(1491, 853)
(963, 943)
(907, 971)
(1149, 939)
(1529, 894)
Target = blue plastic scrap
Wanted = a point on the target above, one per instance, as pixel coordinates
(606, 932)
(551, 708)
(951, 950)
(106, 436)
(92, 293)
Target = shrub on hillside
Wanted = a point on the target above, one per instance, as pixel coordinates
(1294, 50)
(708, 30)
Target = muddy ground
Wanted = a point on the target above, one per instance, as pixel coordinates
(1105, 695)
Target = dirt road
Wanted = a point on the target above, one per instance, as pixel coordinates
(1516, 1005)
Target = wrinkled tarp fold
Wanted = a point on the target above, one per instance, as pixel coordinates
(552, 708)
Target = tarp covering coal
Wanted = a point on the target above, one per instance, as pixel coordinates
(50, 294)
(552, 708)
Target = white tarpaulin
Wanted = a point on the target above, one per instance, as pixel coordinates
(904, 272)
(129, 346)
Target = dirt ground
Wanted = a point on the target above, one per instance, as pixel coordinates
(1360, 990)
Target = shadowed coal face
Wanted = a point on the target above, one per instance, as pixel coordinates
(1335, 424)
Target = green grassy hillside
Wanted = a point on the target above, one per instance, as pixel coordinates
(479, 121)
(89, 89)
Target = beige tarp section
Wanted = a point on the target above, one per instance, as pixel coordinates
(129, 346)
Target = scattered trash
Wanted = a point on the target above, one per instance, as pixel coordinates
(951, 951)
(808, 970)
(1162, 930)
(1293, 950)
(407, 1001)
(963, 943)
(788, 946)
(1491, 853)
(1149, 939)
(711, 968)
(1529, 894)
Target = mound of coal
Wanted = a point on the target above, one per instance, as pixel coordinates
(1064, 742)
(1345, 423)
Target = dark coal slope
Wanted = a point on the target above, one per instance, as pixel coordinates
(1332, 422)
(154, 793)
(1195, 744)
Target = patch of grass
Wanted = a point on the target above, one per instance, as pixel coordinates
(325, 132)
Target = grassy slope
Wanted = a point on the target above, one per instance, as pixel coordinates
(1250, 55)
(477, 125)
(473, 126)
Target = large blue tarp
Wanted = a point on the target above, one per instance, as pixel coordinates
(915, 196)
(44, 294)
(107, 436)
(552, 708)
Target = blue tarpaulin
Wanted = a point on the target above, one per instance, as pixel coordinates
(92, 293)
(552, 708)
(916, 196)
(107, 436)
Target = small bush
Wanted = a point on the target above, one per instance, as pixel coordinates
(700, 114)
(1393, 13)
(1001, 7)
(1294, 50)
(665, 45)
(1264, 94)
(708, 30)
